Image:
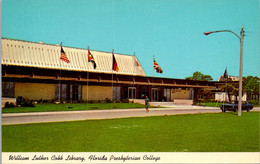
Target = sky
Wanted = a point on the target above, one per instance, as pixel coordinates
(170, 30)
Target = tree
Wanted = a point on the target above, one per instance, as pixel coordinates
(251, 86)
(199, 76)
(204, 93)
(231, 88)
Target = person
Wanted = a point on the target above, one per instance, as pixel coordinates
(146, 103)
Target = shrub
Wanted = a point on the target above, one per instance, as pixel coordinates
(125, 101)
(108, 100)
(90, 101)
(45, 101)
(80, 101)
(254, 102)
(24, 103)
(40, 101)
(9, 105)
(19, 100)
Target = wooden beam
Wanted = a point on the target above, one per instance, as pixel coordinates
(79, 78)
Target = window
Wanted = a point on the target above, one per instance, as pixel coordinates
(144, 91)
(131, 92)
(155, 94)
(75, 92)
(167, 94)
(116, 93)
(8, 89)
(61, 92)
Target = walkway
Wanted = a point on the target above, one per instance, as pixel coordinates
(38, 117)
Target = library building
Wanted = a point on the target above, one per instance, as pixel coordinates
(58, 73)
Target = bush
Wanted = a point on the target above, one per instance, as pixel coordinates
(254, 102)
(125, 101)
(91, 101)
(19, 100)
(42, 101)
(45, 101)
(108, 100)
(24, 103)
(9, 105)
(80, 101)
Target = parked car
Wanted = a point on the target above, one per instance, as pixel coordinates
(233, 106)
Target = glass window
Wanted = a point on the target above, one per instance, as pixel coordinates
(155, 94)
(167, 94)
(61, 92)
(8, 89)
(144, 91)
(116, 93)
(131, 92)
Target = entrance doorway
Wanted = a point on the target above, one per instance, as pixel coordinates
(62, 92)
(75, 92)
(116, 92)
(131, 92)
(155, 94)
(167, 94)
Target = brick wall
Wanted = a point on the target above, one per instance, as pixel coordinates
(35, 91)
(96, 92)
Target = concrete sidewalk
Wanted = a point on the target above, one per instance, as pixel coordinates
(40, 117)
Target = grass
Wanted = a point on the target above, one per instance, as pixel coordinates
(218, 132)
(211, 104)
(217, 104)
(71, 107)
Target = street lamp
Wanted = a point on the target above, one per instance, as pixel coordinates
(241, 62)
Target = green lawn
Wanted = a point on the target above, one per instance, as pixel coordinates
(219, 132)
(212, 104)
(217, 104)
(71, 107)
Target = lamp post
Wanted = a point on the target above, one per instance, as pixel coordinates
(241, 66)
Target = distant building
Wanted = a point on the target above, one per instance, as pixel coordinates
(232, 78)
(223, 96)
(35, 71)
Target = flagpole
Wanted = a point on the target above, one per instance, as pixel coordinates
(153, 62)
(135, 73)
(226, 77)
(153, 80)
(136, 67)
(226, 84)
(112, 74)
(87, 79)
(59, 78)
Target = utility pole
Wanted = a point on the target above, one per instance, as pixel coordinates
(241, 64)
(240, 72)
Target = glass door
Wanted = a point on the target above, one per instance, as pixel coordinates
(155, 94)
(131, 92)
(167, 94)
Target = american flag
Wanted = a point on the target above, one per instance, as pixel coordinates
(63, 56)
